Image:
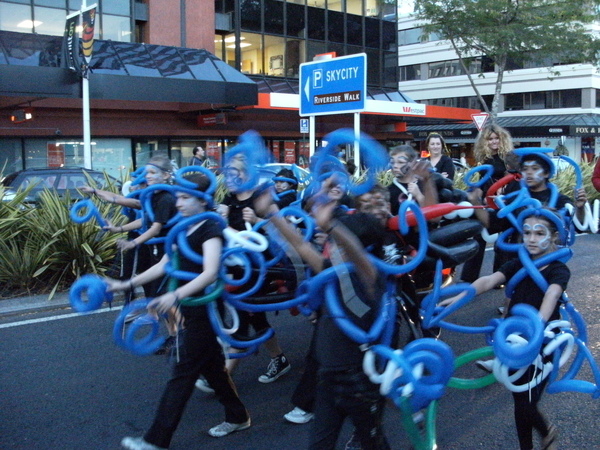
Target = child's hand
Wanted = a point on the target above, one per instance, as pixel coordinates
(164, 303)
(249, 215)
(580, 198)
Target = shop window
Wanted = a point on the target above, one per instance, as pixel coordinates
(48, 21)
(10, 157)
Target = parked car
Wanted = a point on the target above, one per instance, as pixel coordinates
(60, 179)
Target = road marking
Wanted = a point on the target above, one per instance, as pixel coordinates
(62, 316)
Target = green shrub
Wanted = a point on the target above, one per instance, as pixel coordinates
(42, 250)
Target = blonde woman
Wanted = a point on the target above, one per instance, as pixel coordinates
(491, 147)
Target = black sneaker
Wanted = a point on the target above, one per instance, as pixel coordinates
(277, 367)
(166, 347)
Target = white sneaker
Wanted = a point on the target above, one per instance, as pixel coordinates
(486, 366)
(138, 443)
(298, 415)
(203, 385)
(225, 428)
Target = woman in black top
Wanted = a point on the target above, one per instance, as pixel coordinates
(440, 162)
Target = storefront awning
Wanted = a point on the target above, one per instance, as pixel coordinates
(30, 66)
(521, 126)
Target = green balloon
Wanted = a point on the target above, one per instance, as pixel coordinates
(472, 383)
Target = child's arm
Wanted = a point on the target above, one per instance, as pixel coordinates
(481, 285)
(211, 249)
(553, 293)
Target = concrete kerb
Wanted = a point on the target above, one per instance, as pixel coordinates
(38, 303)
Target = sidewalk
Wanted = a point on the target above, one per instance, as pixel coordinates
(18, 305)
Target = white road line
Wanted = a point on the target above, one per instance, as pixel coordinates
(59, 317)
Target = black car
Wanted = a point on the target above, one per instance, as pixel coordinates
(60, 179)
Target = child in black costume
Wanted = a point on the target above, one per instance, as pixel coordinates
(540, 236)
(200, 351)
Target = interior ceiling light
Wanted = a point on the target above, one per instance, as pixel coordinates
(232, 39)
(29, 24)
(242, 45)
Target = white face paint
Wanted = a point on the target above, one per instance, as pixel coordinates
(154, 175)
(189, 205)
(537, 237)
(533, 174)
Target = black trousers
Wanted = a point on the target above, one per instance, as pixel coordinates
(305, 392)
(200, 354)
(527, 414)
(347, 393)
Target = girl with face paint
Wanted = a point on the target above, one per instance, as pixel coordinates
(540, 237)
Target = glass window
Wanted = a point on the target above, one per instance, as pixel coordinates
(113, 156)
(409, 36)
(250, 15)
(390, 69)
(355, 7)
(335, 5)
(294, 50)
(570, 98)
(355, 29)
(274, 55)
(15, 18)
(314, 48)
(295, 20)
(252, 53)
(408, 73)
(299, 2)
(336, 26)
(316, 24)
(146, 148)
(53, 3)
(119, 7)
(373, 67)
(372, 33)
(49, 21)
(10, 156)
(116, 28)
(537, 101)
(513, 102)
(274, 17)
(389, 36)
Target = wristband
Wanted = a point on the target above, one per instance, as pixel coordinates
(121, 228)
(131, 286)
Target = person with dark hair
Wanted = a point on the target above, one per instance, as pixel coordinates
(412, 179)
(286, 184)
(540, 237)
(343, 390)
(536, 171)
(440, 161)
(200, 353)
(198, 157)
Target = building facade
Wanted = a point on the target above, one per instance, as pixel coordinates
(537, 107)
(156, 85)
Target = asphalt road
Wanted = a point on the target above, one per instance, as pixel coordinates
(65, 385)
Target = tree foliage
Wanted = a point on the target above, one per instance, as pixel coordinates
(515, 31)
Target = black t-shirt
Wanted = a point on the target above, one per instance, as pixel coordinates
(445, 164)
(208, 229)
(287, 199)
(163, 207)
(527, 291)
(236, 207)
(334, 350)
(399, 194)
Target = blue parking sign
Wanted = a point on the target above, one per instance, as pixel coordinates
(333, 86)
